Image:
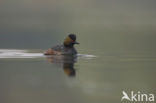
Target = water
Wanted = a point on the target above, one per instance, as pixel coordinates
(29, 76)
(117, 50)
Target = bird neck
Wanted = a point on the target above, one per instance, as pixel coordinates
(71, 45)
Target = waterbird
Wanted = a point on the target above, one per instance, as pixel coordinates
(67, 48)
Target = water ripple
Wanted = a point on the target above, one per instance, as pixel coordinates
(17, 53)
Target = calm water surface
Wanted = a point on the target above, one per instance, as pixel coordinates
(28, 76)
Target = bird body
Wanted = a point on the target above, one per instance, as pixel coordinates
(67, 48)
(64, 50)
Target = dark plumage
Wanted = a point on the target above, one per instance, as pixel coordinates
(67, 48)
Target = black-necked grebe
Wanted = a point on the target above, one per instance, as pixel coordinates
(67, 48)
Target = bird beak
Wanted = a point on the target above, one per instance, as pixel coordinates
(76, 42)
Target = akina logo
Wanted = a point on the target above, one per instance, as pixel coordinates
(137, 96)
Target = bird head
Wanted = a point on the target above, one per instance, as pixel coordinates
(70, 40)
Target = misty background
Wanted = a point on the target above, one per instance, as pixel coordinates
(106, 25)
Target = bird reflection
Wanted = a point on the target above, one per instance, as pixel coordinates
(67, 62)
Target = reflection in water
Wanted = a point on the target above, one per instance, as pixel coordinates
(67, 61)
(69, 69)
